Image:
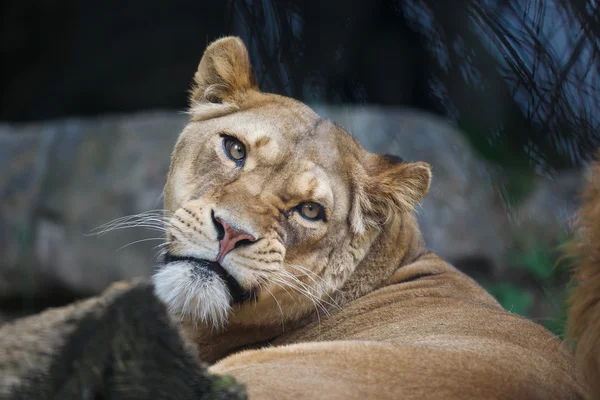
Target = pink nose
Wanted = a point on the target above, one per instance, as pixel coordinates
(230, 239)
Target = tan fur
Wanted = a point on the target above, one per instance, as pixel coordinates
(354, 307)
(583, 323)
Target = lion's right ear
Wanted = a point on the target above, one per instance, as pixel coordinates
(224, 73)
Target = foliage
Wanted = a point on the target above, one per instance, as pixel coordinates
(512, 297)
(541, 292)
(520, 78)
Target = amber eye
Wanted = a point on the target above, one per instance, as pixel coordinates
(234, 148)
(311, 211)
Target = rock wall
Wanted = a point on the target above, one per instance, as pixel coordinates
(61, 179)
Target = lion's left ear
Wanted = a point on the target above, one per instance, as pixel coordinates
(224, 73)
(390, 188)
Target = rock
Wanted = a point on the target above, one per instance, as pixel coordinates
(67, 177)
(121, 345)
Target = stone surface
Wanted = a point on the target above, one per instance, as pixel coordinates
(61, 179)
(121, 345)
(66, 178)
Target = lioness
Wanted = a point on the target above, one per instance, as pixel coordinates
(294, 262)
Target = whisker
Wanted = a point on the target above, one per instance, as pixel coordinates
(161, 249)
(315, 304)
(284, 288)
(165, 244)
(307, 287)
(138, 241)
(280, 309)
(155, 219)
(305, 290)
(306, 271)
(327, 285)
(158, 214)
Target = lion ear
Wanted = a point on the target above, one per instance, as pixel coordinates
(390, 188)
(224, 73)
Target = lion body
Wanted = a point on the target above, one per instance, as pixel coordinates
(347, 303)
(433, 334)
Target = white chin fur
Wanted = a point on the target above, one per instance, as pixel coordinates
(195, 298)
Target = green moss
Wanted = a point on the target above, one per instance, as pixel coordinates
(512, 297)
(537, 260)
(222, 382)
(542, 293)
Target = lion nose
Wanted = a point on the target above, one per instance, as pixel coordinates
(231, 238)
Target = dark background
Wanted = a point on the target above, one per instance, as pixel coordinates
(517, 76)
(521, 79)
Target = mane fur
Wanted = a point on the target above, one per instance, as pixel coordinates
(583, 323)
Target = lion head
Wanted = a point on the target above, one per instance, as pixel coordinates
(274, 212)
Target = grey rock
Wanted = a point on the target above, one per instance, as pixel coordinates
(66, 178)
(121, 345)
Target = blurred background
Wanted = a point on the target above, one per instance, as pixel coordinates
(501, 97)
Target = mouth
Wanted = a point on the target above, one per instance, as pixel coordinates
(205, 267)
